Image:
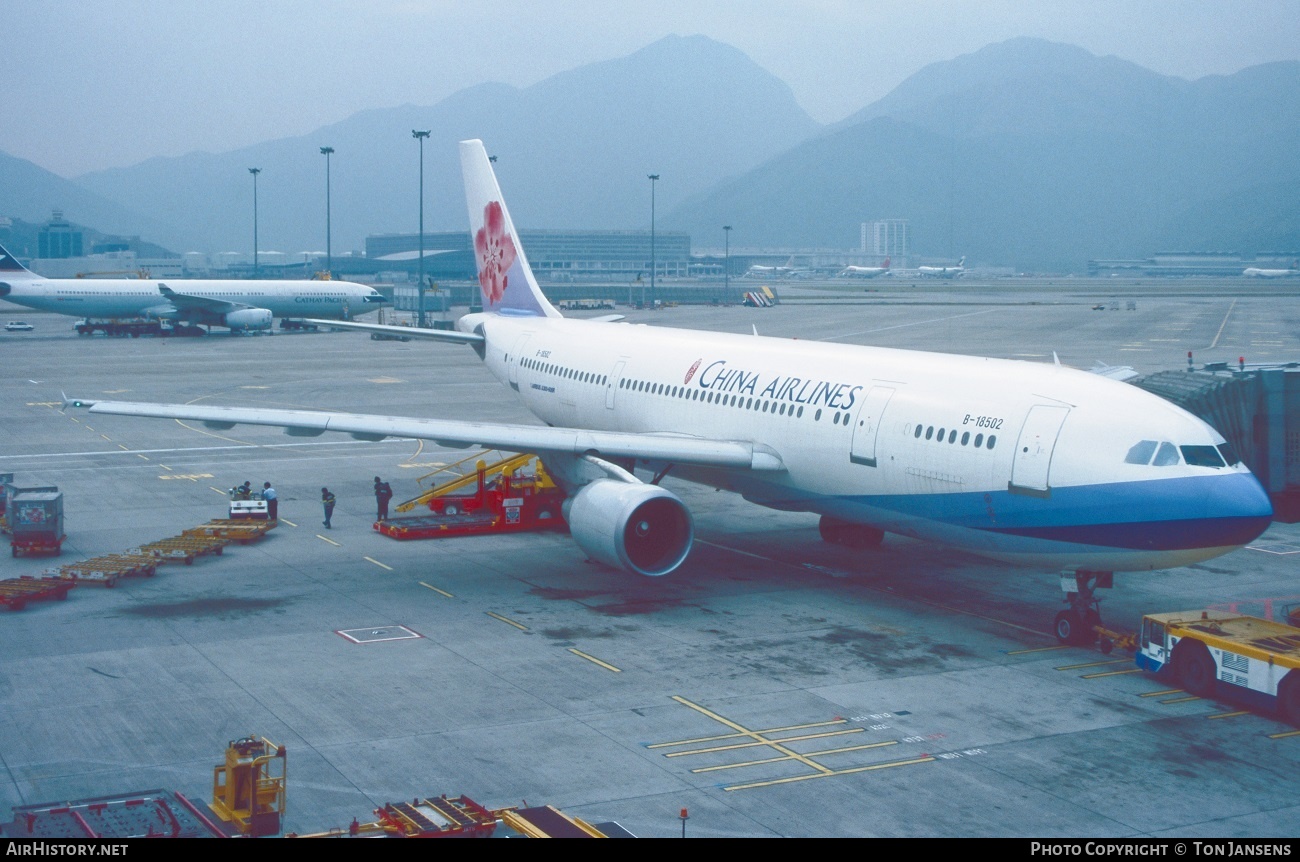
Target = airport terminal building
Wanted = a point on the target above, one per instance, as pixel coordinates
(555, 255)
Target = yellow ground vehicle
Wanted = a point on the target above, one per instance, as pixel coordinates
(1206, 651)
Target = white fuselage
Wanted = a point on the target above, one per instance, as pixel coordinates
(1009, 459)
(121, 298)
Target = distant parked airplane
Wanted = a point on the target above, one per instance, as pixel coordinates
(865, 271)
(943, 271)
(1257, 272)
(237, 304)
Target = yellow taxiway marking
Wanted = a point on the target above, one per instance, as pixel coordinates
(123, 448)
(1229, 714)
(254, 387)
(165, 467)
(822, 753)
(744, 731)
(594, 660)
(218, 490)
(331, 541)
(435, 589)
(520, 626)
(1092, 664)
(1162, 692)
(1039, 649)
(385, 380)
(1180, 699)
(141, 456)
(755, 743)
(377, 563)
(849, 771)
(1215, 342)
(285, 521)
(1110, 673)
(88, 428)
(736, 735)
(106, 437)
(1284, 734)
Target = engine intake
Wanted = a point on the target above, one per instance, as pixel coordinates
(637, 527)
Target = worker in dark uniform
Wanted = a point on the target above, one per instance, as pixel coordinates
(328, 500)
(383, 493)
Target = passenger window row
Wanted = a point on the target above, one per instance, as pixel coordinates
(928, 431)
(566, 373)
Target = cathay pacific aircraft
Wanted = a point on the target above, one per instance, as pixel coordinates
(238, 304)
(1031, 463)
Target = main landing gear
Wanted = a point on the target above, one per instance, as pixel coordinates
(850, 535)
(1077, 625)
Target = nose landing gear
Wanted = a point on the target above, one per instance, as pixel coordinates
(1077, 625)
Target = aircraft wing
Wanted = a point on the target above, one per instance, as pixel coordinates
(185, 303)
(404, 331)
(540, 439)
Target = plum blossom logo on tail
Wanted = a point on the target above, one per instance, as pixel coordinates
(496, 253)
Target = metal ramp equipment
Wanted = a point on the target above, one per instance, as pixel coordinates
(146, 814)
(511, 493)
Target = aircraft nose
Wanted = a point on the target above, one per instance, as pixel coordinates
(1239, 508)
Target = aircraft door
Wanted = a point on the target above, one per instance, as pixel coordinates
(517, 356)
(1033, 456)
(612, 386)
(862, 450)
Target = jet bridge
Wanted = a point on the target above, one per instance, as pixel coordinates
(1256, 409)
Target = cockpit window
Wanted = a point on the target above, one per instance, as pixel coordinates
(1202, 456)
(1141, 452)
(1230, 456)
(1166, 455)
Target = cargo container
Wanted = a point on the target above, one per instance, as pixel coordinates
(35, 519)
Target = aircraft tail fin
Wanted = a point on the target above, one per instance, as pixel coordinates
(962, 262)
(885, 265)
(10, 266)
(504, 276)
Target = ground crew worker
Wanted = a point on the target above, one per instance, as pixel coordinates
(383, 493)
(328, 500)
(272, 502)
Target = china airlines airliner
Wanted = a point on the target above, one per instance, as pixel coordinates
(1029, 463)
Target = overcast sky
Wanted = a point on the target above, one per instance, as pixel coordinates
(91, 84)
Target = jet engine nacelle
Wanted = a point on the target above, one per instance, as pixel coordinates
(633, 526)
(249, 318)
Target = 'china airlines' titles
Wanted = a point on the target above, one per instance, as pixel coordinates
(837, 396)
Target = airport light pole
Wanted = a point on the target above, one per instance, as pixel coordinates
(254, 172)
(726, 264)
(329, 234)
(419, 289)
(653, 178)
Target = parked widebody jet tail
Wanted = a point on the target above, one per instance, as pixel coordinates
(1029, 463)
(237, 304)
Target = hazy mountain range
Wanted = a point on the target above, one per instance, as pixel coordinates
(1026, 153)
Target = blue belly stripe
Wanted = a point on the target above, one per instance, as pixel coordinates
(1187, 512)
